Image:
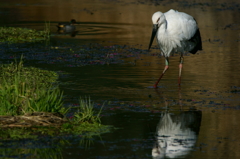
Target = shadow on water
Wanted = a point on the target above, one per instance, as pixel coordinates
(107, 60)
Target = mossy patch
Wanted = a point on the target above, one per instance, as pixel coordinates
(19, 35)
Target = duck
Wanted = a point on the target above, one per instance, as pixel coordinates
(67, 27)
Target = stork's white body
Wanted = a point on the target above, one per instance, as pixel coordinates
(175, 32)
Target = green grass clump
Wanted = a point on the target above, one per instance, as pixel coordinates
(86, 120)
(25, 90)
(18, 35)
(85, 112)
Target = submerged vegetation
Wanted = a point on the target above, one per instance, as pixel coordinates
(16, 35)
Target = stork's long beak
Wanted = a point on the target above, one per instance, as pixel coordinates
(154, 31)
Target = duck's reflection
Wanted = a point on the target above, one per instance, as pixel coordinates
(176, 134)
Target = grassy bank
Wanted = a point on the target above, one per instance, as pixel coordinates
(28, 89)
(30, 97)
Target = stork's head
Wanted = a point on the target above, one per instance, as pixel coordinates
(158, 19)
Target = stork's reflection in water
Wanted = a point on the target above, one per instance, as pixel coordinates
(176, 133)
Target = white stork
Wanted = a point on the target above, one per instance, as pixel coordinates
(176, 32)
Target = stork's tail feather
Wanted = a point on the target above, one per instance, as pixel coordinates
(196, 39)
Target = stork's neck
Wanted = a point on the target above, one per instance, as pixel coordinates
(163, 27)
(164, 40)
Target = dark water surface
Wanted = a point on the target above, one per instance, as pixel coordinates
(203, 116)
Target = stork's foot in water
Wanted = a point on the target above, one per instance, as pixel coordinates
(179, 81)
(155, 86)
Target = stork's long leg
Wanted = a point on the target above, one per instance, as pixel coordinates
(165, 69)
(180, 69)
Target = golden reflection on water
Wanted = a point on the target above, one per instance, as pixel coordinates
(216, 68)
